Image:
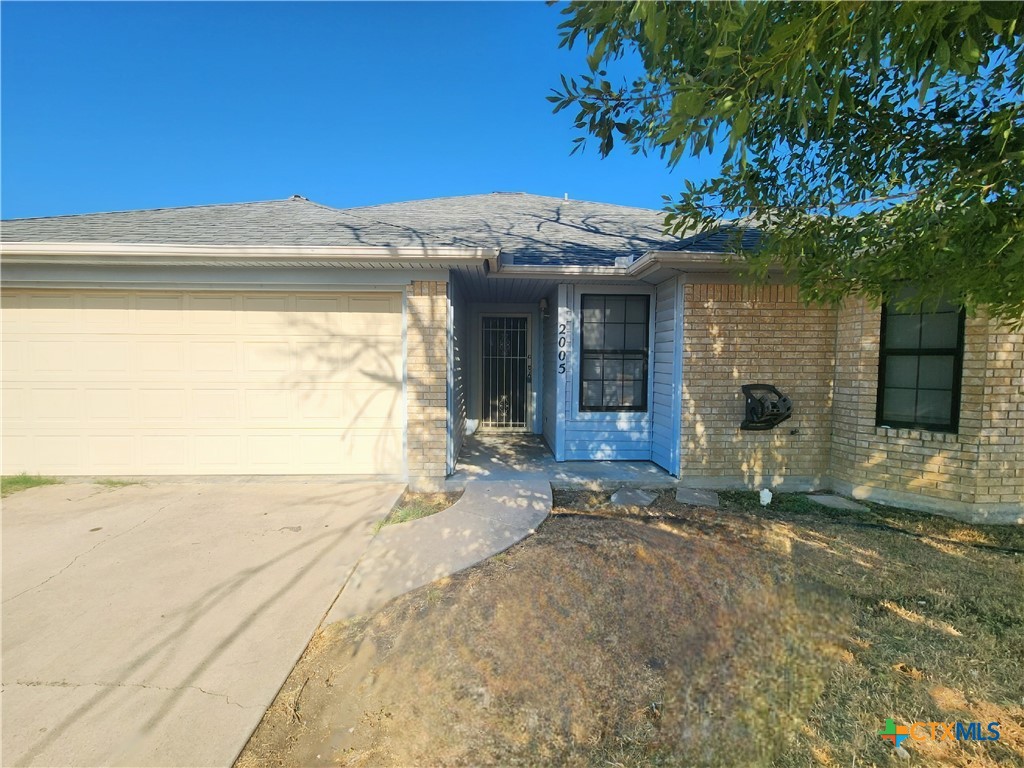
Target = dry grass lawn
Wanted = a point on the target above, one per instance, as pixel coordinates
(677, 635)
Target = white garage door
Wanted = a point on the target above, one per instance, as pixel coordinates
(143, 383)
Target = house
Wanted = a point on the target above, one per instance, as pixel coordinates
(286, 337)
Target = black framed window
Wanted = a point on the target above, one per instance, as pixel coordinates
(919, 367)
(614, 332)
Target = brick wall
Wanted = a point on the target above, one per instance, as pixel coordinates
(1001, 442)
(978, 471)
(426, 365)
(733, 335)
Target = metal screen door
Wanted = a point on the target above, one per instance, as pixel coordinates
(506, 371)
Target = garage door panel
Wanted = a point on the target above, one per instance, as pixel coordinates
(322, 405)
(263, 357)
(220, 452)
(105, 405)
(63, 452)
(215, 405)
(158, 313)
(365, 449)
(17, 448)
(213, 357)
(269, 405)
(111, 453)
(162, 406)
(372, 406)
(51, 356)
(141, 383)
(55, 404)
(13, 356)
(106, 312)
(15, 406)
(107, 355)
(165, 453)
(160, 357)
(212, 312)
(369, 362)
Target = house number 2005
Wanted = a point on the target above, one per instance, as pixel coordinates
(563, 342)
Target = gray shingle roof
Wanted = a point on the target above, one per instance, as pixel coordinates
(721, 240)
(295, 221)
(532, 229)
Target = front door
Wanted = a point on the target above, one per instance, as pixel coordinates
(506, 371)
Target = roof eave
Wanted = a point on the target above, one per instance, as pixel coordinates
(125, 254)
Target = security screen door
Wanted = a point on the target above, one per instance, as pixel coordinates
(506, 372)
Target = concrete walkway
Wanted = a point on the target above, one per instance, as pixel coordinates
(488, 519)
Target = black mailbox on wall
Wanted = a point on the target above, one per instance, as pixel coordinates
(765, 407)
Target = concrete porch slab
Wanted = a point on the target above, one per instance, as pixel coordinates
(633, 497)
(697, 497)
(492, 456)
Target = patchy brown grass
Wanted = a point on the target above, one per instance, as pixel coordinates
(676, 635)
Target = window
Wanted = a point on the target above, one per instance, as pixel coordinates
(919, 364)
(613, 352)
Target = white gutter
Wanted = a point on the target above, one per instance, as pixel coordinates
(690, 261)
(140, 253)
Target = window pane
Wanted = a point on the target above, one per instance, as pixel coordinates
(629, 397)
(638, 392)
(937, 372)
(614, 309)
(592, 393)
(933, 406)
(939, 331)
(612, 368)
(593, 336)
(633, 369)
(612, 394)
(899, 404)
(636, 309)
(636, 336)
(613, 335)
(902, 331)
(907, 292)
(901, 371)
(591, 367)
(593, 309)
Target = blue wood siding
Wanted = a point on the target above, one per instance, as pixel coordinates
(591, 435)
(549, 357)
(666, 406)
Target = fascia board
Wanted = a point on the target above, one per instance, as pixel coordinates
(140, 253)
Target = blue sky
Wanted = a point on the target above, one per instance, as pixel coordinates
(113, 106)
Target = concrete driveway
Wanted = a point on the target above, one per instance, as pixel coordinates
(153, 624)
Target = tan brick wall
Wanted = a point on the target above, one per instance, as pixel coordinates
(733, 335)
(981, 465)
(426, 387)
(1001, 444)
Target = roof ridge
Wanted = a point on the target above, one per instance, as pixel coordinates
(162, 208)
(498, 192)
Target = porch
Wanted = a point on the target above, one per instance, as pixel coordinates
(495, 456)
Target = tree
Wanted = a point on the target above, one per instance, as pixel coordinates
(876, 144)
